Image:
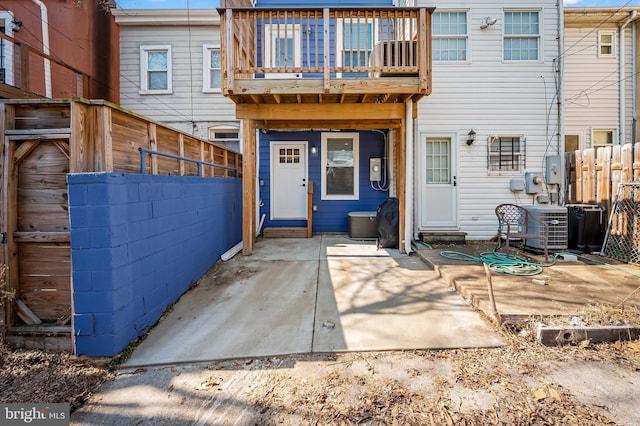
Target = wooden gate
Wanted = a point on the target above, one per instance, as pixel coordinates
(37, 228)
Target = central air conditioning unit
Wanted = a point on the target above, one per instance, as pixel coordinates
(394, 54)
(557, 221)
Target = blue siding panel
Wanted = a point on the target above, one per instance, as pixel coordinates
(332, 215)
(325, 3)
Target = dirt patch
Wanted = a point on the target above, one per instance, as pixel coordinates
(38, 376)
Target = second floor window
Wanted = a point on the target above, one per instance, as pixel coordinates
(212, 77)
(450, 36)
(606, 44)
(521, 36)
(155, 69)
(358, 42)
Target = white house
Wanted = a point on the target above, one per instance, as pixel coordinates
(170, 71)
(600, 54)
(484, 133)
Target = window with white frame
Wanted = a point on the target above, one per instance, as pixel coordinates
(521, 36)
(340, 159)
(283, 42)
(6, 48)
(506, 153)
(212, 72)
(155, 67)
(606, 44)
(228, 136)
(449, 36)
(357, 45)
(604, 136)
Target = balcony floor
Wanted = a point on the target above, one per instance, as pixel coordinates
(392, 89)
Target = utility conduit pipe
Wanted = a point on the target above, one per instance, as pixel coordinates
(44, 17)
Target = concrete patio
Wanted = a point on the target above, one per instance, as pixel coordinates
(569, 287)
(324, 294)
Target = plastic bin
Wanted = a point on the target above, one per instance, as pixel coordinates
(363, 225)
(587, 227)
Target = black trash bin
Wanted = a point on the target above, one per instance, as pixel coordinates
(587, 227)
(388, 218)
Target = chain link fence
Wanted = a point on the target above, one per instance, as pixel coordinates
(622, 241)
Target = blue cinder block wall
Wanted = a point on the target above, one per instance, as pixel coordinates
(137, 243)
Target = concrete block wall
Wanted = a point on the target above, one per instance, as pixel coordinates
(137, 243)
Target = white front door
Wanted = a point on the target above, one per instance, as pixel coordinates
(438, 200)
(289, 180)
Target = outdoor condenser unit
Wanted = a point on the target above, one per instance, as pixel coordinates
(557, 221)
(394, 54)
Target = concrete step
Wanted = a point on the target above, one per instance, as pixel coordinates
(284, 232)
(453, 237)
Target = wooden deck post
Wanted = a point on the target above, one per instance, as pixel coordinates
(248, 185)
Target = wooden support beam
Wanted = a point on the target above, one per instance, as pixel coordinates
(310, 209)
(248, 185)
(103, 137)
(288, 112)
(82, 139)
(152, 134)
(11, 215)
(181, 153)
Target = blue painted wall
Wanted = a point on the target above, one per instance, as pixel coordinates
(137, 243)
(332, 215)
(325, 3)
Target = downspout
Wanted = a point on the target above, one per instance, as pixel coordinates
(634, 109)
(559, 78)
(408, 210)
(45, 46)
(621, 86)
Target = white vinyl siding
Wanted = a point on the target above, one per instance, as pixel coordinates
(187, 103)
(592, 97)
(492, 97)
(450, 36)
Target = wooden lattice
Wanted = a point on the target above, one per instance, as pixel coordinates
(622, 241)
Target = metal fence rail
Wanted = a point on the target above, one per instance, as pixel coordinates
(199, 163)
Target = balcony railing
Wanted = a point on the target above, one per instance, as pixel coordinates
(325, 44)
(27, 72)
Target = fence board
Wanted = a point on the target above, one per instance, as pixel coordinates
(599, 172)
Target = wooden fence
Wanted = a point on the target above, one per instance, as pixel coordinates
(43, 141)
(594, 174)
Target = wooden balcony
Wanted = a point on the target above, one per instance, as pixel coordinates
(326, 55)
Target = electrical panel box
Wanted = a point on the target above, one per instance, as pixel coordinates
(516, 185)
(375, 169)
(533, 183)
(552, 170)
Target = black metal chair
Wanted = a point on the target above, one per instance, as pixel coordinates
(515, 223)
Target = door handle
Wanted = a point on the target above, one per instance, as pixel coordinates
(455, 181)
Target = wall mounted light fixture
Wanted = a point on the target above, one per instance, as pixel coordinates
(487, 22)
(314, 150)
(471, 137)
